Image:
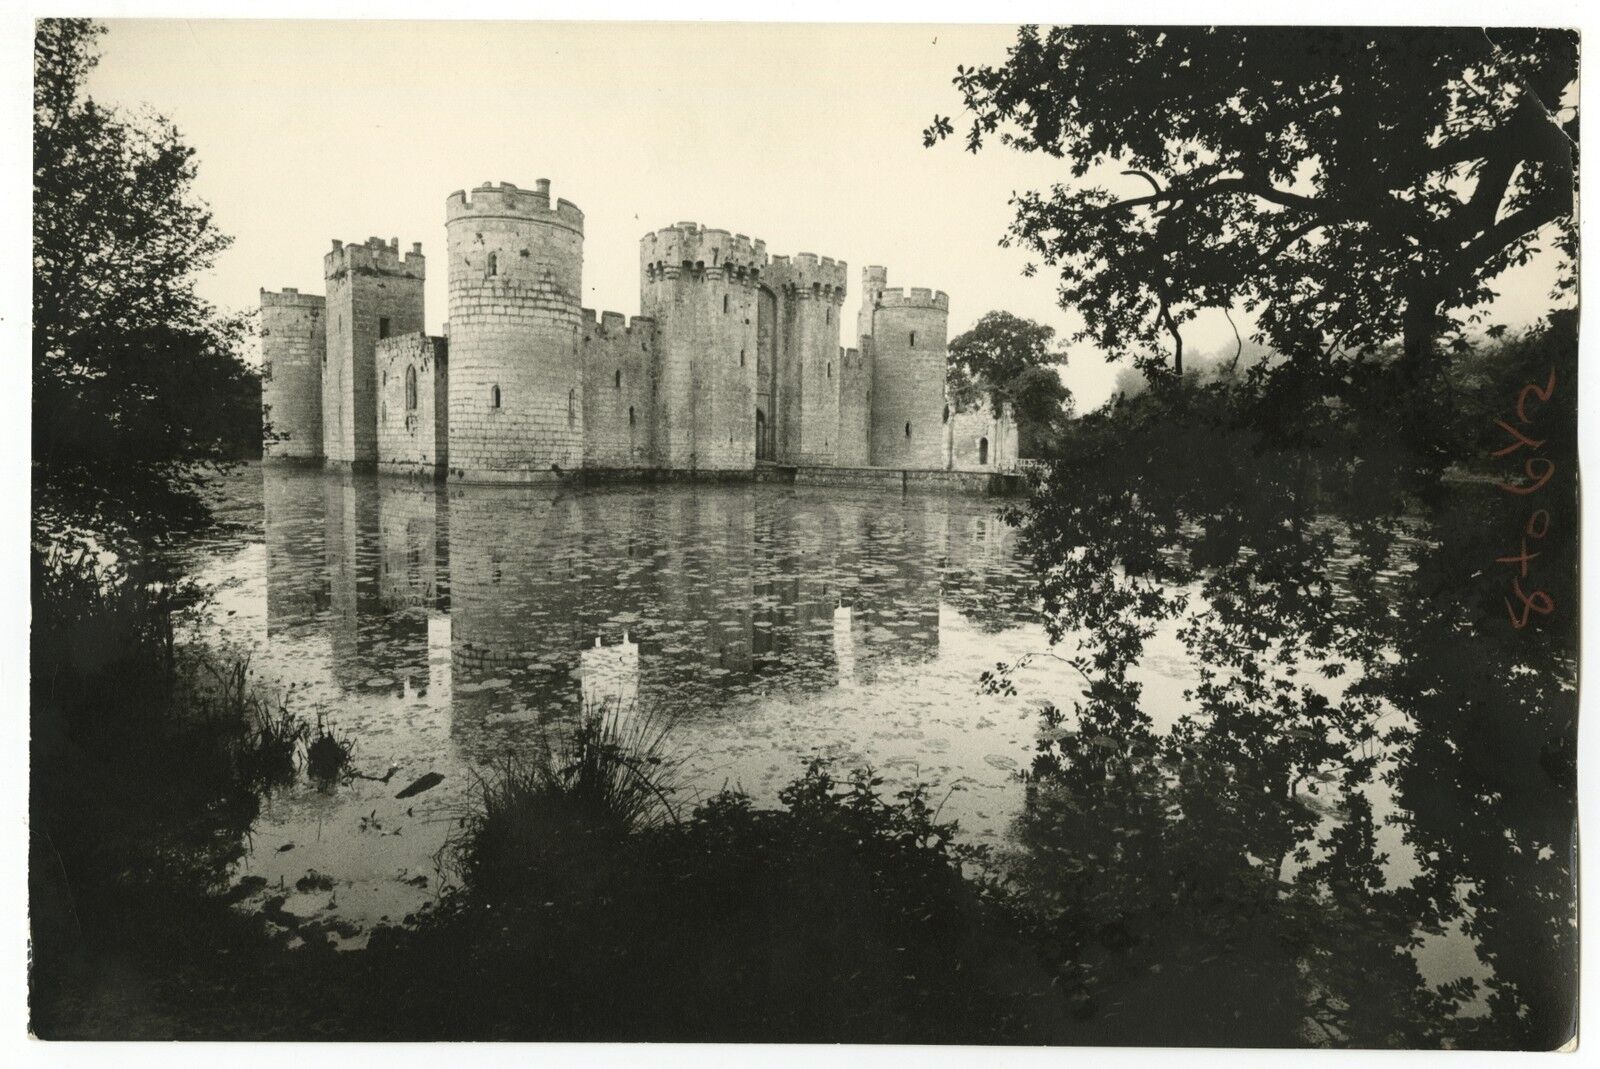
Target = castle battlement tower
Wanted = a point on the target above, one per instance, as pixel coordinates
(700, 287)
(810, 292)
(909, 334)
(294, 345)
(372, 292)
(516, 381)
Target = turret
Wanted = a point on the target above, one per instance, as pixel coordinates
(374, 292)
(516, 381)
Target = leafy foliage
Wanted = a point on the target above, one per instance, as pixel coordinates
(1351, 186)
(139, 391)
(1006, 359)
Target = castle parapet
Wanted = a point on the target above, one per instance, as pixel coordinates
(915, 297)
(504, 200)
(667, 252)
(615, 323)
(808, 275)
(289, 297)
(374, 257)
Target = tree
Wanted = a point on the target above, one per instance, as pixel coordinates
(1352, 187)
(1008, 360)
(138, 389)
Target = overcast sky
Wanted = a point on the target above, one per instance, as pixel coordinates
(808, 137)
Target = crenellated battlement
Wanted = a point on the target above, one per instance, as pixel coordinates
(506, 201)
(289, 297)
(611, 324)
(807, 275)
(374, 257)
(668, 252)
(913, 297)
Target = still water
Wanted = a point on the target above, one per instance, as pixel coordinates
(445, 628)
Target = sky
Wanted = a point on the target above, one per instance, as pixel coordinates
(806, 136)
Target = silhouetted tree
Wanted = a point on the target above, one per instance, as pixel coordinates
(1351, 186)
(138, 389)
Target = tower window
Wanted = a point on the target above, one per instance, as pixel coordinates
(830, 369)
(983, 450)
(630, 415)
(411, 388)
(494, 264)
(908, 430)
(383, 326)
(618, 380)
(724, 302)
(947, 413)
(913, 339)
(830, 315)
(572, 408)
(494, 397)
(741, 358)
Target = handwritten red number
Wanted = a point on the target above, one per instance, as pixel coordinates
(1542, 395)
(1538, 480)
(1537, 602)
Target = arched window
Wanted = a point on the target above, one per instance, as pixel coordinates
(618, 380)
(494, 264)
(494, 397)
(572, 408)
(983, 450)
(411, 388)
(908, 430)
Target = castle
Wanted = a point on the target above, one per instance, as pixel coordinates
(734, 362)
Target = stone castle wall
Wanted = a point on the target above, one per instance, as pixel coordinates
(852, 448)
(909, 336)
(978, 440)
(294, 344)
(413, 404)
(618, 391)
(372, 293)
(700, 287)
(516, 268)
(810, 295)
(736, 358)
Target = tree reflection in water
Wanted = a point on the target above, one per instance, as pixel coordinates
(1229, 878)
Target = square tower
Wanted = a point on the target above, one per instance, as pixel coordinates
(372, 293)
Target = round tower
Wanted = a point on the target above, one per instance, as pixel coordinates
(700, 286)
(516, 380)
(294, 346)
(909, 335)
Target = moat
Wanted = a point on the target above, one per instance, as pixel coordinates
(443, 628)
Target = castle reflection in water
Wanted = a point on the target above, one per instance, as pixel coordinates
(682, 598)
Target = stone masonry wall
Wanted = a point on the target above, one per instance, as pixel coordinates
(855, 406)
(618, 390)
(700, 286)
(909, 335)
(969, 430)
(516, 267)
(372, 293)
(294, 344)
(413, 404)
(811, 292)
